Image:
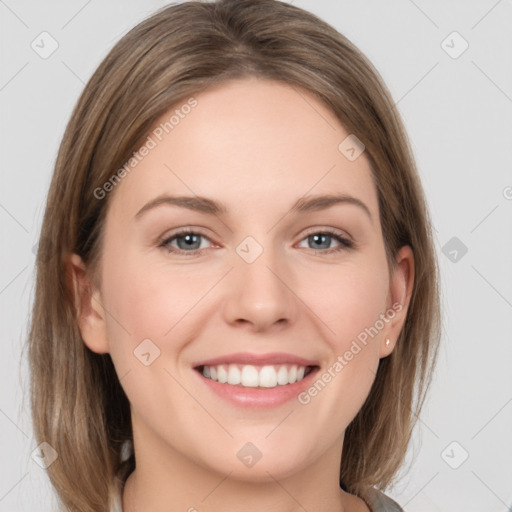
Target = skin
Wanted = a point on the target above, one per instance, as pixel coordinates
(256, 146)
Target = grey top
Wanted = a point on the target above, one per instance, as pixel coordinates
(377, 501)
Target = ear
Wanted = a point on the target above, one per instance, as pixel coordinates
(89, 310)
(400, 291)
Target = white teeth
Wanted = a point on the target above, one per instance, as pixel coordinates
(268, 377)
(251, 376)
(292, 375)
(233, 374)
(222, 374)
(282, 376)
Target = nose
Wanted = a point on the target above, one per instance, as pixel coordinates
(260, 294)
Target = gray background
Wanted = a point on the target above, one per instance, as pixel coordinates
(458, 114)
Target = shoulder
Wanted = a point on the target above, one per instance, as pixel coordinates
(379, 502)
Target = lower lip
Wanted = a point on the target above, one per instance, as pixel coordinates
(258, 397)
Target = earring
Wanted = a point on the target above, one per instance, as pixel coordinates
(388, 342)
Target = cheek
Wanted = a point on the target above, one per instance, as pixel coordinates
(347, 299)
(149, 317)
(148, 301)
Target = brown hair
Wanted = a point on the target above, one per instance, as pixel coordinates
(78, 404)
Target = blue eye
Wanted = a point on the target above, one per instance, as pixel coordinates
(185, 239)
(189, 241)
(320, 237)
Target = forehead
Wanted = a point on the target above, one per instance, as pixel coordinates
(248, 143)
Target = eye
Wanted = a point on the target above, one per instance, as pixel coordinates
(187, 240)
(322, 240)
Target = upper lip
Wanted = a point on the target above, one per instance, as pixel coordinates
(257, 359)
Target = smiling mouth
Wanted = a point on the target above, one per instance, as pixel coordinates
(254, 376)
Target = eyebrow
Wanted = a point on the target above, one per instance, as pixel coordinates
(212, 207)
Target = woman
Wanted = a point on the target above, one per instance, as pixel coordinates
(237, 291)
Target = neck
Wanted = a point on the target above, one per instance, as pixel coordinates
(166, 480)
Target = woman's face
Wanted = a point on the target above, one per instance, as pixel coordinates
(261, 281)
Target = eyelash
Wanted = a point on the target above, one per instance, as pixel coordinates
(345, 243)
